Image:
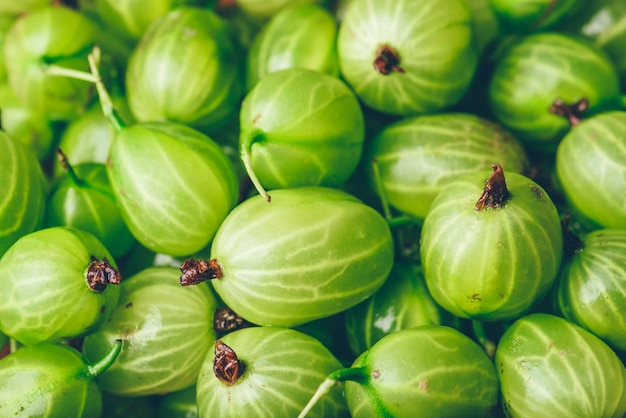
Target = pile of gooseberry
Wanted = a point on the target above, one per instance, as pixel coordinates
(312, 208)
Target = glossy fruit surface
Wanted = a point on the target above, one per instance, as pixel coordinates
(548, 366)
(590, 165)
(174, 185)
(278, 370)
(406, 58)
(491, 262)
(431, 370)
(23, 202)
(166, 331)
(55, 284)
(541, 68)
(300, 127)
(310, 253)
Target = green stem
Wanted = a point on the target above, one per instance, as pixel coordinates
(53, 69)
(105, 100)
(356, 374)
(100, 366)
(245, 158)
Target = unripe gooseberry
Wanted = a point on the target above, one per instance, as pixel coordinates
(543, 76)
(56, 284)
(523, 16)
(300, 127)
(310, 253)
(548, 366)
(590, 163)
(428, 370)
(166, 332)
(266, 371)
(188, 46)
(491, 247)
(406, 58)
(590, 290)
(50, 36)
(52, 380)
(23, 201)
(302, 36)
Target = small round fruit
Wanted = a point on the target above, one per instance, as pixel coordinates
(549, 367)
(310, 253)
(54, 285)
(491, 249)
(590, 165)
(406, 58)
(23, 201)
(266, 371)
(166, 332)
(52, 380)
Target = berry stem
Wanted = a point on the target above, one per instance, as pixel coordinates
(247, 163)
(355, 374)
(572, 112)
(62, 158)
(95, 369)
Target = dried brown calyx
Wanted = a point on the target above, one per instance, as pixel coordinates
(387, 60)
(100, 274)
(495, 193)
(196, 271)
(225, 320)
(573, 112)
(226, 366)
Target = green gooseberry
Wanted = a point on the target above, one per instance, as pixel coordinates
(302, 36)
(53, 36)
(402, 302)
(590, 291)
(186, 47)
(84, 199)
(179, 404)
(310, 253)
(406, 58)
(130, 19)
(174, 185)
(605, 23)
(300, 127)
(550, 367)
(20, 121)
(491, 249)
(416, 157)
(166, 332)
(429, 370)
(52, 380)
(590, 162)
(54, 285)
(266, 372)
(544, 76)
(523, 16)
(23, 201)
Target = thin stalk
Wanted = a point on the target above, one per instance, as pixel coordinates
(101, 365)
(245, 158)
(68, 168)
(356, 374)
(53, 69)
(105, 100)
